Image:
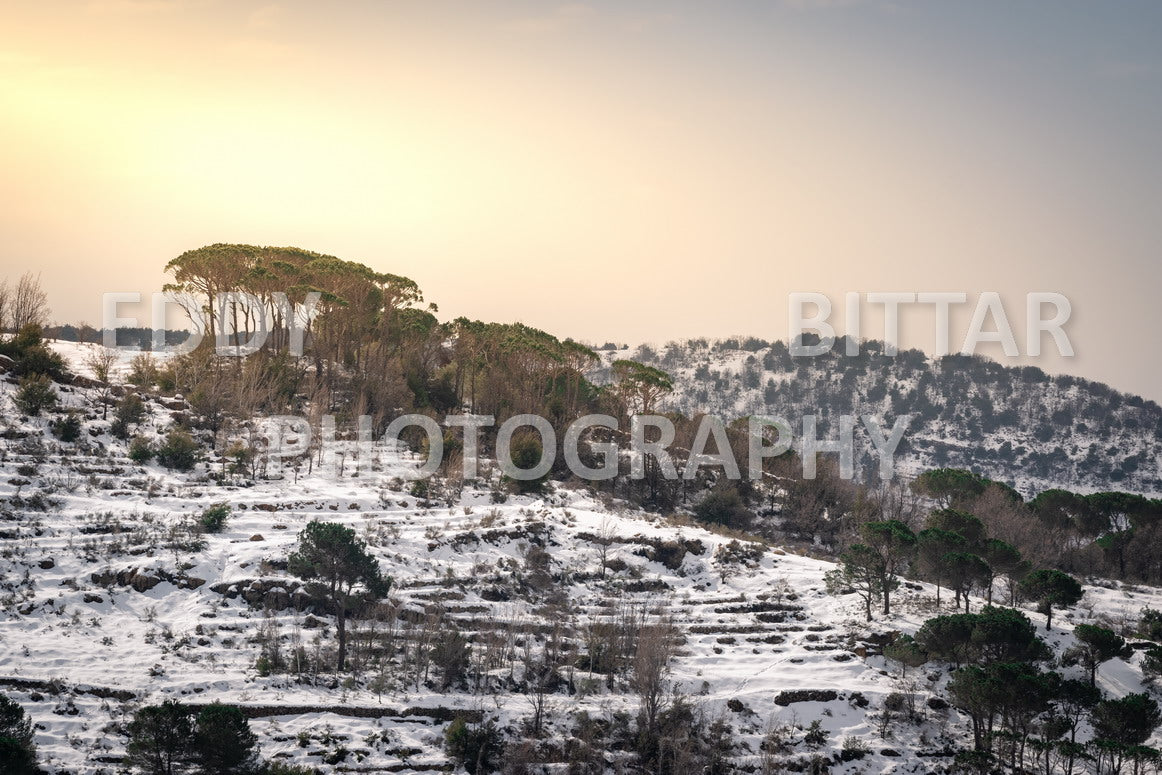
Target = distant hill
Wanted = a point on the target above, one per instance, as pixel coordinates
(1014, 424)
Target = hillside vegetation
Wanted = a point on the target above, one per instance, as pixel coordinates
(1014, 424)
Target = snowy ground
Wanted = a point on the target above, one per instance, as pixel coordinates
(81, 651)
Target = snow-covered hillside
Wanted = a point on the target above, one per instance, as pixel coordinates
(112, 599)
(1016, 425)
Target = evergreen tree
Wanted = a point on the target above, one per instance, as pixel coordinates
(953, 487)
(1051, 588)
(907, 652)
(861, 569)
(1126, 721)
(896, 545)
(1003, 560)
(964, 571)
(933, 545)
(223, 743)
(1095, 645)
(17, 748)
(160, 739)
(337, 564)
(35, 395)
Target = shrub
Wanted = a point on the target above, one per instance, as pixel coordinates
(130, 411)
(36, 394)
(737, 554)
(816, 735)
(179, 451)
(167, 380)
(213, 519)
(854, 748)
(282, 768)
(41, 360)
(27, 349)
(140, 450)
(143, 370)
(476, 746)
(17, 749)
(1152, 663)
(525, 452)
(1150, 625)
(67, 428)
(723, 507)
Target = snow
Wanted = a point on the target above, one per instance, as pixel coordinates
(763, 630)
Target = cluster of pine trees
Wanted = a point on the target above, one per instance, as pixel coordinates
(1025, 716)
(983, 532)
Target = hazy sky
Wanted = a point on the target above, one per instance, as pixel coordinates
(629, 171)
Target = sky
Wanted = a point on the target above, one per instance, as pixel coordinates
(627, 171)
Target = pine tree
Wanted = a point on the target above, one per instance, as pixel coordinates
(336, 563)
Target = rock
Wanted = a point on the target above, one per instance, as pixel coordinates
(143, 582)
(257, 537)
(103, 578)
(92, 598)
(47, 564)
(276, 599)
(805, 695)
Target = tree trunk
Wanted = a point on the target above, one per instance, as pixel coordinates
(342, 629)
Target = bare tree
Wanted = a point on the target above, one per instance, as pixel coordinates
(5, 305)
(540, 675)
(100, 363)
(651, 664)
(29, 303)
(605, 536)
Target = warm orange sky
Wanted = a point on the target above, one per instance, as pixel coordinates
(628, 171)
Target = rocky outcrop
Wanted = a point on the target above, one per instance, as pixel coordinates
(144, 579)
